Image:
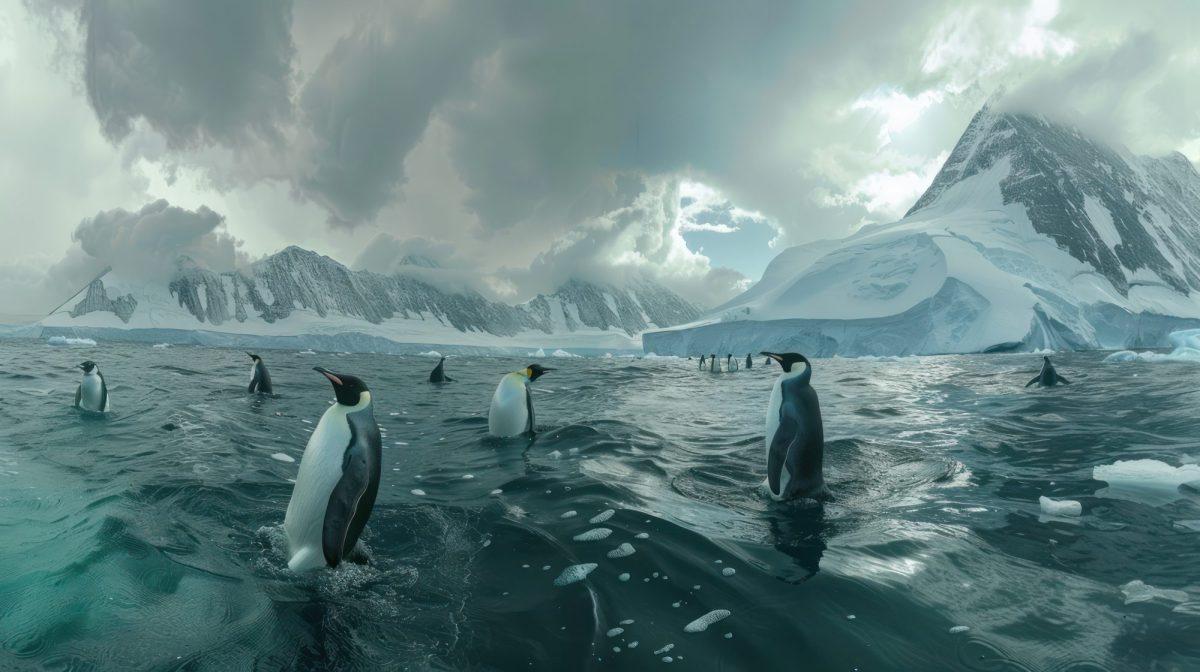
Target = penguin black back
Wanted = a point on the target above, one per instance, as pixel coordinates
(438, 375)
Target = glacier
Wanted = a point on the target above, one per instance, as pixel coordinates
(1031, 237)
(298, 299)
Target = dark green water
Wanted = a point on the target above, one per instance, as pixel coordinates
(152, 539)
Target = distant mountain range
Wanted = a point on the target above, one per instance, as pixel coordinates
(1031, 236)
(297, 297)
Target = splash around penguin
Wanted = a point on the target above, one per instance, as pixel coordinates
(511, 412)
(338, 479)
(795, 435)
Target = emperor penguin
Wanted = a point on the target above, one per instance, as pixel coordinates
(438, 375)
(338, 479)
(749, 362)
(730, 363)
(511, 413)
(1048, 376)
(260, 378)
(702, 360)
(795, 436)
(714, 366)
(92, 393)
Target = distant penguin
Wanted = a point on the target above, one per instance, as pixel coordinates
(795, 437)
(260, 378)
(766, 361)
(702, 360)
(714, 366)
(749, 362)
(511, 413)
(1048, 376)
(438, 375)
(730, 363)
(92, 393)
(338, 479)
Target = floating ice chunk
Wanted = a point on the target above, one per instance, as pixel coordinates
(161, 346)
(602, 516)
(729, 635)
(545, 567)
(676, 604)
(575, 573)
(616, 649)
(67, 340)
(496, 492)
(623, 551)
(418, 492)
(282, 457)
(615, 631)
(594, 534)
(667, 659)
(563, 353)
(641, 535)
(1060, 507)
(431, 353)
(628, 621)
(664, 649)
(569, 514)
(729, 571)
(1137, 591)
(555, 454)
(623, 577)
(467, 477)
(1147, 481)
(632, 645)
(958, 629)
(701, 624)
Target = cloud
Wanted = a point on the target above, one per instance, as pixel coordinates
(217, 71)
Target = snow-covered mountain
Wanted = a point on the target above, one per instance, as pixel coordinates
(1031, 236)
(298, 298)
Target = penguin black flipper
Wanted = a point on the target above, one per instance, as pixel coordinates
(103, 394)
(449, 379)
(1035, 379)
(529, 407)
(78, 395)
(1062, 380)
(354, 495)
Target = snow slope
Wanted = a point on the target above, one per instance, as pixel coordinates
(1032, 236)
(297, 298)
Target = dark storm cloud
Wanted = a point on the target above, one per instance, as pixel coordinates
(197, 71)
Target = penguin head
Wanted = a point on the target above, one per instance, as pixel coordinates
(348, 389)
(535, 371)
(254, 357)
(786, 359)
(88, 366)
(1046, 358)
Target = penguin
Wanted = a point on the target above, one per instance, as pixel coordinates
(260, 378)
(749, 362)
(511, 413)
(1048, 376)
(795, 437)
(713, 365)
(92, 393)
(338, 479)
(730, 363)
(702, 359)
(438, 375)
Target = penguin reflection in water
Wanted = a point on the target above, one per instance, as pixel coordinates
(795, 437)
(1048, 376)
(511, 413)
(92, 393)
(338, 479)
(260, 378)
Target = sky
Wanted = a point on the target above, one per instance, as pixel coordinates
(520, 144)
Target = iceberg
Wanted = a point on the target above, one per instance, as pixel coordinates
(67, 340)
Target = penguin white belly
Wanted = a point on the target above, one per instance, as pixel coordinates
(253, 368)
(320, 471)
(773, 426)
(91, 393)
(509, 414)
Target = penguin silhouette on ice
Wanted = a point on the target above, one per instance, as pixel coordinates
(260, 378)
(338, 479)
(714, 366)
(511, 413)
(92, 393)
(730, 363)
(749, 361)
(438, 375)
(1048, 376)
(795, 436)
(702, 360)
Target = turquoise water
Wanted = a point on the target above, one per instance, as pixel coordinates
(151, 538)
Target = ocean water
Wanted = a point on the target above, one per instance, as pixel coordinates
(151, 539)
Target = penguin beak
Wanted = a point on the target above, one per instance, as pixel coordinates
(80, 366)
(328, 374)
(773, 356)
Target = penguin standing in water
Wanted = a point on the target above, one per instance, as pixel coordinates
(795, 435)
(714, 366)
(730, 363)
(260, 378)
(338, 479)
(702, 358)
(438, 375)
(1048, 376)
(511, 413)
(749, 362)
(92, 393)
